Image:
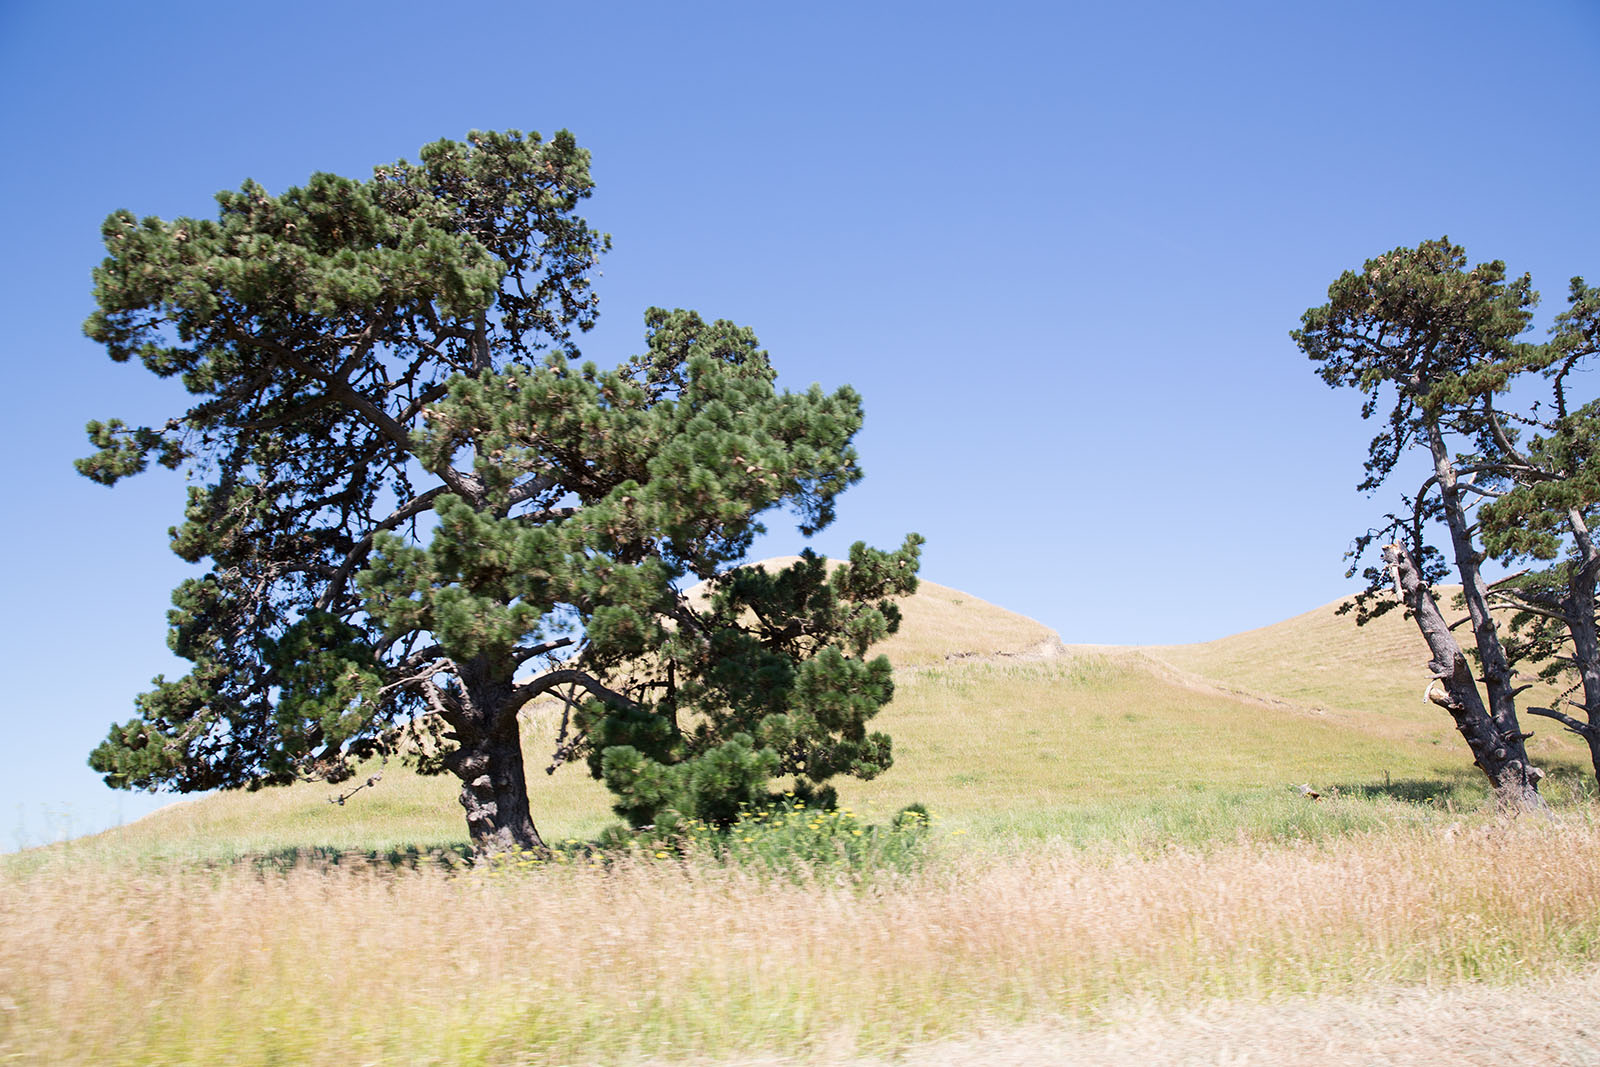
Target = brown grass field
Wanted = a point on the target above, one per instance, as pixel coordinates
(1119, 866)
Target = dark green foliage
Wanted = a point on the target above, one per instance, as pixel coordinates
(784, 836)
(420, 511)
(765, 676)
(1434, 343)
(1425, 340)
(311, 329)
(1548, 452)
(1547, 498)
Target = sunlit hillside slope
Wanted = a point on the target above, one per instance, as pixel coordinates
(999, 729)
(1323, 661)
(1320, 658)
(940, 624)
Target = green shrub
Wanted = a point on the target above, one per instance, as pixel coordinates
(791, 837)
(786, 836)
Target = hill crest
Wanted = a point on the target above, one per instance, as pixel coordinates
(941, 624)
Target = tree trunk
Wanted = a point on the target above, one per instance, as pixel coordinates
(488, 760)
(1500, 753)
(1474, 590)
(1579, 609)
(1577, 613)
(1586, 650)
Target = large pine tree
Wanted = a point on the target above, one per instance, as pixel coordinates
(418, 511)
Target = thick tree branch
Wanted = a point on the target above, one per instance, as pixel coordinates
(393, 430)
(1503, 439)
(1531, 607)
(1585, 542)
(1474, 487)
(533, 487)
(569, 676)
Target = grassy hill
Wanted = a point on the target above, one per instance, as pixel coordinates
(1367, 677)
(1320, 659)
(1003, 731)
(1118, 838)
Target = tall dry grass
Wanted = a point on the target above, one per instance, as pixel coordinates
(340, 964)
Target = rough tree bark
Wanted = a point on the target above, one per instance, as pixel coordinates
(488, 760)
(1500, 751)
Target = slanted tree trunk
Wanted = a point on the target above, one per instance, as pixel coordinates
(1497, 678)
(488, 760)
(1499, 752)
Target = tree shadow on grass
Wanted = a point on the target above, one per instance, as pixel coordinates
(1568, 780)
(1558, 767)
(1564, 780)
(1429, 792)
(446, 858)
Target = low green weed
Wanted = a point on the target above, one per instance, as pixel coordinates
(787, 837)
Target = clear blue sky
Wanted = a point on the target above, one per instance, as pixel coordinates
(1058, 248)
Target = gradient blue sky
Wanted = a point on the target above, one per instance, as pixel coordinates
(1057, 247)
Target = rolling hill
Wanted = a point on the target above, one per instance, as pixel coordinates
(1001, 729)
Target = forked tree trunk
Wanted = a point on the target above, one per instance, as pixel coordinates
(488, 760)
(1500, 752)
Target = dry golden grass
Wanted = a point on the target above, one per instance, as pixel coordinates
(674, 961)
(1324, 660)
(1087, 726)
(940, 624)
(1320, 658)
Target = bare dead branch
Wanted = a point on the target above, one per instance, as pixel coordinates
(525, 654)
(1582, 729)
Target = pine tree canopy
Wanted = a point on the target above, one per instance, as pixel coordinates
(1437, 348)
(418, 510)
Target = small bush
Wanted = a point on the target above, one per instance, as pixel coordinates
(790, 837)
(786, 836)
